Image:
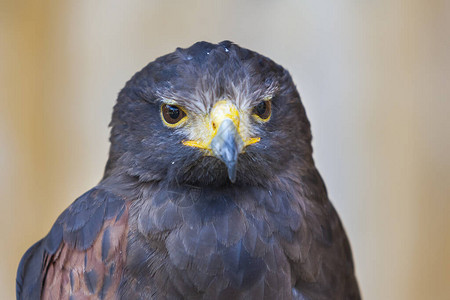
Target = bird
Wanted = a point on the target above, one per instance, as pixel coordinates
(210, 191)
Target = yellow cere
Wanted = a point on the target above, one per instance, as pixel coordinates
(205, 128)
(224, 110)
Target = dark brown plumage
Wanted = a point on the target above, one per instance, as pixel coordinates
(210, 192)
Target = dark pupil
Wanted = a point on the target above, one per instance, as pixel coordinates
(261, 108)
(173, 112)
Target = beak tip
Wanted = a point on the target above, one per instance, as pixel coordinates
(232, 177)
(232, 173)
(226, 146)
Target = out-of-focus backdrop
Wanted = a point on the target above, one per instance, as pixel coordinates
(374, 77)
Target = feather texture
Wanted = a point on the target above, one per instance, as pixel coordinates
(83, 254)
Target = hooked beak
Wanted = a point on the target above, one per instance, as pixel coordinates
(226, 146)
(224, 140)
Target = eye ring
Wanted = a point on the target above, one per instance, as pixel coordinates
(263, 110)
(172, 115)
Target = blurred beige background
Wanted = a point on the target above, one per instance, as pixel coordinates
(375, 81)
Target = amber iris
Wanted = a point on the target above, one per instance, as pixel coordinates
(172, 114)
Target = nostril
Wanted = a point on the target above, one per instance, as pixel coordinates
(214, 125)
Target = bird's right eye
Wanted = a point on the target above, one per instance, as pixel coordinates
(172, 115)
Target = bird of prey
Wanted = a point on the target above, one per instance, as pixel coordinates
(210, 192)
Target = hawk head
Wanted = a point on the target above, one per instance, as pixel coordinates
(209, 115)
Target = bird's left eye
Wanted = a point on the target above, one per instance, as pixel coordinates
(172, 114)
(263, 110)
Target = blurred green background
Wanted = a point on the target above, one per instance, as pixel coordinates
(374, 77)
